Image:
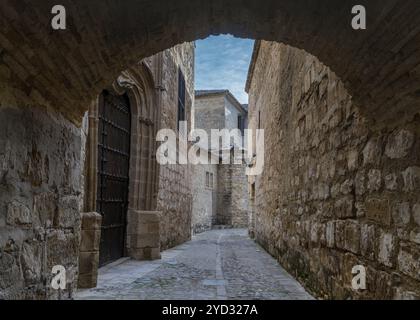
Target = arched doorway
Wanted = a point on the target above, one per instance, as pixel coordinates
(121, 174)
(113, 173)
(378, 66)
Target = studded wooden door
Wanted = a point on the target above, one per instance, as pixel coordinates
(113, 173)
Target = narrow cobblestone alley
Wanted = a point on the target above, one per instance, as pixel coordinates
(218, 264)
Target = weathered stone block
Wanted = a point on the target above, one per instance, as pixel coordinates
(368, 245)
(323, 191)
(367, 156)
(411, 178)
(144, 235)
(409, 262)
(87, 280)
(360, 183)
(399, 144)
(374, 180)
(360, 209)
(330, 234)
(344, 207)
(88, 262)
(378, 210)
(18, 215)
(9, 271)
(416, 213)
(144, 240)
(352, 236)
(62, 248)
(90, 240)
(383, 287)
(91, 221)
(89, 249)
(347, 187)
(68, 215)
(386, 249)
(45, 207)
(403, 294)
(401, 213)
(353, 160)
(391, 182)
(372, 151)
(415, 236)
(31, 262)
(340, 234)
(145, 253)
(314, 235)
(335, 190)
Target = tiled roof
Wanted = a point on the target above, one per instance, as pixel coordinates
(199, 93)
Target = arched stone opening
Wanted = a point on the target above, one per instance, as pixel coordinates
(335, 192)
(63, 71)
(379, 66)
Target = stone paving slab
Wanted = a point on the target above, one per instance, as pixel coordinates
(218, 264)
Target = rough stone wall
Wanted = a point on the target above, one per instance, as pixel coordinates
(218, 112)
(40, 187)
(204, 206)
(380, 68)
(240, 200)
(232, 196)
(175, 195)
(334, 193)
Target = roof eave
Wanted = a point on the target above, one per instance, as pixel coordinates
(251, 69)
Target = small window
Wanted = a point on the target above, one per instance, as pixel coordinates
(241, 124)
(181, 97)
(253, 191)
(209, 180)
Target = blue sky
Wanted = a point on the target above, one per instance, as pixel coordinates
(222, 63)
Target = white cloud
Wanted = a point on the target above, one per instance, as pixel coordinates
(222, 63)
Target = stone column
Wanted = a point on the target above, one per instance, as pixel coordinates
(89, 250)
(143, 235)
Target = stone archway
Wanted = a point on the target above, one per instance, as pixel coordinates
(379, 66)
(64, 71)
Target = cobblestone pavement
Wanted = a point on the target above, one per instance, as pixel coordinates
(218, 264)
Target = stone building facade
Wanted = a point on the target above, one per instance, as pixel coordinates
(204, 189)
(40, 192)
(159, 197)
(220, 110)
(335, 191)
(174, 197)
(49, 199)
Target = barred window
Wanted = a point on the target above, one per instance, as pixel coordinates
(181, 96)
(241, 125)
(207, 179)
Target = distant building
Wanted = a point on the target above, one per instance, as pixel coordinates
(219, 109)
(225, 198)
